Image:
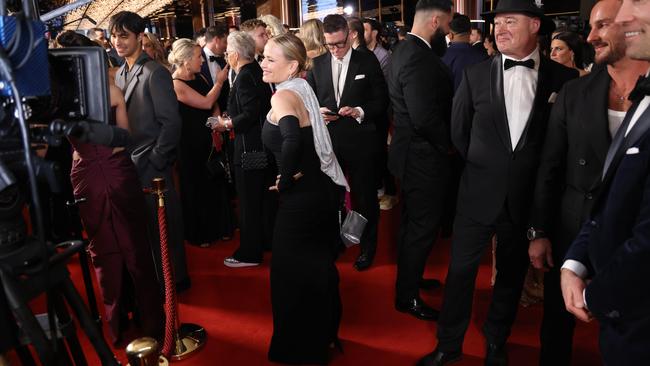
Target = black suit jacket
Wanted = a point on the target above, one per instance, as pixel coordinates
(575, 149)
(248, 105)
(421, 92)
(222, 100)
(365, 87)
(494, 174)
(614, 245)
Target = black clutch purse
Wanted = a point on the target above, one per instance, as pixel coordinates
(253, 160)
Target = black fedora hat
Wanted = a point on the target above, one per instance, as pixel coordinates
(533, 8)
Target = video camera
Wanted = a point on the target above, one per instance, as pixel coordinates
(45, 96)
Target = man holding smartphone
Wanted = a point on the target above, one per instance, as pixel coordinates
(352, 92)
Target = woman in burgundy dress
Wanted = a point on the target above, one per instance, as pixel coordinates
(113, 215)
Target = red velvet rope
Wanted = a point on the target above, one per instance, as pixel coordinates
(170, 290)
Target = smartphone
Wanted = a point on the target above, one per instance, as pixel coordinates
(211, 122)
(330, 113)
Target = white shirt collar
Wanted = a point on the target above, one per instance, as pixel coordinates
(423, 40)
(208, 52)
(346, 58)
(534, 55)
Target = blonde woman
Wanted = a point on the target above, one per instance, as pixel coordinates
(154, 49)
(202, 196)
(274, 26)
(311, 35)
(304, 280)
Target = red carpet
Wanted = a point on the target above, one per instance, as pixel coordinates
(234, 307)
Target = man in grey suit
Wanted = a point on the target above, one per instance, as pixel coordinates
(155, 131)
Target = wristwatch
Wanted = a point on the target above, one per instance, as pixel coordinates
(533, 234)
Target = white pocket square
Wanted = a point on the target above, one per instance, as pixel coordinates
(632, 151)
(552, 98)
(359, 77)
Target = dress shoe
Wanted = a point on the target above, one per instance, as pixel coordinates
(496, 355)
(418, 309)
(234, 263)
(363, 262)
(438, 358)
(429, 283)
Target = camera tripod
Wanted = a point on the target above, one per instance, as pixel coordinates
(21, 283)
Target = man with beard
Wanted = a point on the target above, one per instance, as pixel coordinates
(605, 273)
(584, 119)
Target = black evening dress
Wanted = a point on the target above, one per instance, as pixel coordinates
(207, 210)
(304, 279)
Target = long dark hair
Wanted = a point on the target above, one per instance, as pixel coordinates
(574, 43)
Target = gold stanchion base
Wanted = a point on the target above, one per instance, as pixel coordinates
(193, 337)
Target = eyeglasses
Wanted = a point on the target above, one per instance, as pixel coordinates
(340, 44)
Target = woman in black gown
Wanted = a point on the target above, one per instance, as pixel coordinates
(304, 279)
(207, 212)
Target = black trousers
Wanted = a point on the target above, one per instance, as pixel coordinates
(470, 241)
(257, 209)
(424, 187)
(358, 160)
(556, 333)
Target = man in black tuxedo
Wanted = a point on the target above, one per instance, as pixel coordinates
(421, 92)
(583, 121)
(216, 41)
(612, 250)
(352, 93)
(499, 120)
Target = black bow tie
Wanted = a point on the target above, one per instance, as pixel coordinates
(530, 63)
(641, 89)
(213, 58)
(260, 58)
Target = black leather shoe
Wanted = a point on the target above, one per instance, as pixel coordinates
(363, 262)
(429, 283)
(496, 355)
(418, 309)
(437, 358)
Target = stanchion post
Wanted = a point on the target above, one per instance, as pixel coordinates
(180, 340)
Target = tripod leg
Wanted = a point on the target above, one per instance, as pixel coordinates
(27, 320)
(66, 325)
(76, 303)
(90, 291)
(25, 356)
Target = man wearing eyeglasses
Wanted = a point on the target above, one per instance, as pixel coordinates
(352, 93)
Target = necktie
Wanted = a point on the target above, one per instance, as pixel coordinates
(641, 89)
(530, 63)
(337, 90)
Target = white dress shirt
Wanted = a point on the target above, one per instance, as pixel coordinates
(212, 66)
(519, 87)
(345, 61)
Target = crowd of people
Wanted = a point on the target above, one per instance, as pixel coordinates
(535, 151)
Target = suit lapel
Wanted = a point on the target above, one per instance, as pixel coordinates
(134, 75)
(353, 67)
(497, 100)
(544, 79)
(595, 123)
(328, 92)
(637, 131)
